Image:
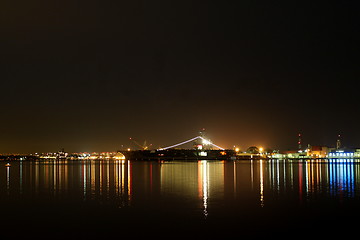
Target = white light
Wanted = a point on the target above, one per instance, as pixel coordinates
(206, 142)
(204, 154)
(179, 144)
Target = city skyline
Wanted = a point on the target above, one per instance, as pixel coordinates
(134, 144)
(87, 76)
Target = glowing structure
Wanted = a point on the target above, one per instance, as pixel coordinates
(204, 142)
(119, 156)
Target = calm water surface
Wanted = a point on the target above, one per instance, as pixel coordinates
(72, 199)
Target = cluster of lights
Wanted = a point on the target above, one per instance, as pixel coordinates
(341, 154)
(83, 156)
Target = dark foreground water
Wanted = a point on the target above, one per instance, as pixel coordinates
(225, 199)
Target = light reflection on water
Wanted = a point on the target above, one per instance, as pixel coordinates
(238, 193)
(124, 181)
(314, 177)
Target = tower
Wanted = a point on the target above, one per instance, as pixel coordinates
(299, 142)
(338, 142)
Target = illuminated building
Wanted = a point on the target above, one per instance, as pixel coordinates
(119, 156)
(344, 153)
(317, 151)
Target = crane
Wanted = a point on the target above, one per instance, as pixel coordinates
(144, 146)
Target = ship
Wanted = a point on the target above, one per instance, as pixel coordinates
(203, 149)
(181, 154)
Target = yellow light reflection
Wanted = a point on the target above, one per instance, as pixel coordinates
(261, 184)
(204, 186)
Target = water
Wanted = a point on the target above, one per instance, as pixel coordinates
(72, 199)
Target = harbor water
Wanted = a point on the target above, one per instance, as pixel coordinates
(164, 199)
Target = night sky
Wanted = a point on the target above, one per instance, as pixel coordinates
(87, 75)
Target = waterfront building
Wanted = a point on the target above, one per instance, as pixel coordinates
(344, 153)
(357, 153)
(317, 151)
(292, 154)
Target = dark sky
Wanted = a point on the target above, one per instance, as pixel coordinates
(87, 75)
